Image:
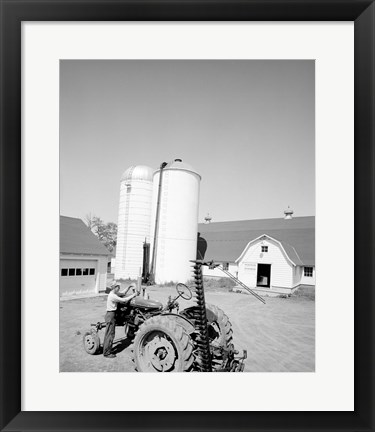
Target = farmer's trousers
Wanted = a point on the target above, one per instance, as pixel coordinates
(109, 332)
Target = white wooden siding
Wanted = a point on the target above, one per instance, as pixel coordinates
(233, 269)
(281, 268)
(102, 274)
(113, 265)
(297, 275)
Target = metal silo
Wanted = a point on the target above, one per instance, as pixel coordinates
(175, 221)
(134, 220)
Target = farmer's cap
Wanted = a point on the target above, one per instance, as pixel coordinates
(115, 284)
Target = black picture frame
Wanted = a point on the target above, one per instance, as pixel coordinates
(13, 12)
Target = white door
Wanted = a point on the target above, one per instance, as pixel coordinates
(77, 276)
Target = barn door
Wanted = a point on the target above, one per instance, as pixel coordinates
(264, 275)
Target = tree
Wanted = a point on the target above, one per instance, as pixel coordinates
(106, 232)
(89, 220)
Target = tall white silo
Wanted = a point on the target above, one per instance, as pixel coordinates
(176, 222)
(134, 220)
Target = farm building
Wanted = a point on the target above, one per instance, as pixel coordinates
(158, 215)
(157, 235)
(270, 255)
(83, 259)
(134, 220)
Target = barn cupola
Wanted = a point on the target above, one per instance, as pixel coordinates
(288, 213)
(207, 219)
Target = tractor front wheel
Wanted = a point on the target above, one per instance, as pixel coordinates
(162, 345)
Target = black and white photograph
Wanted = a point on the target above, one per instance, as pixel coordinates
(187, 216)
(187, 187)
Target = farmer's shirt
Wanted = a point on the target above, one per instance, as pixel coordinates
(112, 301)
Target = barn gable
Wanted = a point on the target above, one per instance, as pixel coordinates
(265, 263)
(288, 250)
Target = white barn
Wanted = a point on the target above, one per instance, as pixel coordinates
(83, 260)
(269, 255)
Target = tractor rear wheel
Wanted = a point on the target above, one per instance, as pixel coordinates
(220, 330)
(162, 345)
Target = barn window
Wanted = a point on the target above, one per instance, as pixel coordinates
(85, 272)
(64, 272)
(72, 272)
(92, 271)
(226, 266)
(264, 248)
(78, 272)
(308, 271)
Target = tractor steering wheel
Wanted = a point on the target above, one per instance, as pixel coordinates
(184, 291)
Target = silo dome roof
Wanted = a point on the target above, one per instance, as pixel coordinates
(138, 172)
(177, 164)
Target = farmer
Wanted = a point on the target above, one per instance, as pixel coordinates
(110, 317)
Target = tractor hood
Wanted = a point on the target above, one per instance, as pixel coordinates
(146, 304)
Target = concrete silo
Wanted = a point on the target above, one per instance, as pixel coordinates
(134, 220)
(175, 219)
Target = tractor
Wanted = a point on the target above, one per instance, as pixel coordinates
(165, 339)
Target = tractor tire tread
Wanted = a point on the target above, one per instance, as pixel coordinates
(214, 313)
(172, 328)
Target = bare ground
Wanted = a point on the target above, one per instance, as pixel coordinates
(279, 336)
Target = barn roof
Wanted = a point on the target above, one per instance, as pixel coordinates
(77, 238)
(227, 240)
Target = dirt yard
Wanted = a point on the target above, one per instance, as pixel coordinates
(279, 336)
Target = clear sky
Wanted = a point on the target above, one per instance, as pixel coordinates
(247, 127)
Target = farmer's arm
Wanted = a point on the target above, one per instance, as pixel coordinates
(118, 299)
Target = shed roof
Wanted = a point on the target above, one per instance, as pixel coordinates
(77, 238)
(227, 240)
